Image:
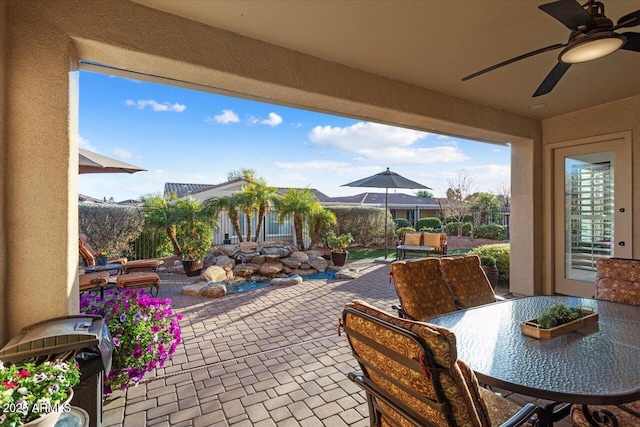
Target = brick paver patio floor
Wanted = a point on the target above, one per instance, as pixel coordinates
(267, 357)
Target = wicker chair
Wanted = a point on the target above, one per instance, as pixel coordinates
(412, 376)
(421, 289)
(617, 280)
(467, 281)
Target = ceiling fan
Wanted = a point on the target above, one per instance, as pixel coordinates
(593, 36)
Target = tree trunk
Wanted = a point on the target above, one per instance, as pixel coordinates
(297, 225)
(171, 232)
(235, 222)
(248, 216)
(261, 213)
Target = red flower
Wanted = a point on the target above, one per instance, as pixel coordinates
(23, 374)
(10, 384)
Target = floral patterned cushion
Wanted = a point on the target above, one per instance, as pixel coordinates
(466, 409)
(467, 281)
(618, 280)
(421, 288)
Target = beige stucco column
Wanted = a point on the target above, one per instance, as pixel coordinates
(40, 179)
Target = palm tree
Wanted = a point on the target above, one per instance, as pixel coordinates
(261, 195)
(320, 222)
(299, 203)
(195, 225)
(229, 204)
(159, 213)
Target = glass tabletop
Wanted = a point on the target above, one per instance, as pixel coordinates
(597, 364)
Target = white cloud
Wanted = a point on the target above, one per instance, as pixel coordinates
(141, 104)
(226, 117)
(273, 120)
(121, 153)
(377, 142)
(85, 144)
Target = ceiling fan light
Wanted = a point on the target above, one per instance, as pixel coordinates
(591, 48)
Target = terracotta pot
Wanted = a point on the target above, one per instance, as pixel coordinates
(192, 268)
(339, 258)
(492, 274)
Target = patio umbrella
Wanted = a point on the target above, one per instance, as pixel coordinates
(90, 162)
(386, 180)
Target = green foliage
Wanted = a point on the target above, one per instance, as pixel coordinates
(299, 203)
(465, 218)
(490, 231)
(320, 222)
(365, 224)
(337, 242)
(428, 222)
(501, 252)
(401, 230)
(110, 228)
(401, 222)
(425, 194)
(151, 243)
(244, 173)
(488, 261)
(558, 314)
(452, 229)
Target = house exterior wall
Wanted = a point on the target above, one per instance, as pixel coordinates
(45, 39)
(619, 116)
(3, 112)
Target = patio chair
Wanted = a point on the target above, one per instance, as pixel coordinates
(467, 281)
(87, 254)
(617, 280)
(421, 289)
(412, 376)
(90, 282)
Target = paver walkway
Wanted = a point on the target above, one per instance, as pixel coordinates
(266, 357)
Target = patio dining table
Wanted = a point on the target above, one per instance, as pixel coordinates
(598, 364)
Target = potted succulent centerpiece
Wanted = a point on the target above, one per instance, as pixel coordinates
(337, 244)
(488, 264)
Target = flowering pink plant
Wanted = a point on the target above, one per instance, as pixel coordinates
(29, 391)
(145, 333)
(101, 254)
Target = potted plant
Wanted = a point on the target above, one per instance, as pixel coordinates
(101, 258)
(488, 264)
(338, 245)
(36, 394)
(145, 333)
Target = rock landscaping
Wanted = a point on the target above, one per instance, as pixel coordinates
(280, 263)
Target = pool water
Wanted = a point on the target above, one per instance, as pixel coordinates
(250, 286)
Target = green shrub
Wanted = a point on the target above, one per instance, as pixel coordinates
(452, 229)
(365, 224)
(488, 261)
(151, 244)
(428, 222)
(431, 230)
(401, 222)
(401, 230)
(110, 228)
(490, 231)
(501, 253)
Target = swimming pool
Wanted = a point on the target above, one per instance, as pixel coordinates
(250, 286)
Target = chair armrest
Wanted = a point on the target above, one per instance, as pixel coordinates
(401, 313)
(500, 298)
(523, 416)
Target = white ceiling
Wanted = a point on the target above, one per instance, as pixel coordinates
(434, 44)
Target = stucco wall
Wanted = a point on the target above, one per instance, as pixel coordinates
(3, 142)
(45, 37)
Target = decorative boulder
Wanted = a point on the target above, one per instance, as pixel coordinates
(319, 264)
(213, 274)
(214, 291)
(286, 270)
(348, 273)
(248, 247)
(193, 289)
(291, 262)
(245, 270)
(286, 281)
(228, 250)
(301, 256)
(305, 266)
(260, 259)
(278, 252)
(271, 268)
(313, 254)
(225, 262)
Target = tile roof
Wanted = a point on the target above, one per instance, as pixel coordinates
(184, 189)
(320, 196)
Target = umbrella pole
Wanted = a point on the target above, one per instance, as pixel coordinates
(386, 215)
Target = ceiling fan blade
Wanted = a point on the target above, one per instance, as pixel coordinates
(630, 20)
(552, 79)
(570, 13)
(512, 60)
(633, 42)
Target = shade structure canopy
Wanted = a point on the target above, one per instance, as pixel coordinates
(386, 180)
(90, 162)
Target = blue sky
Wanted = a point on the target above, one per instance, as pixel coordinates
(182, 135)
